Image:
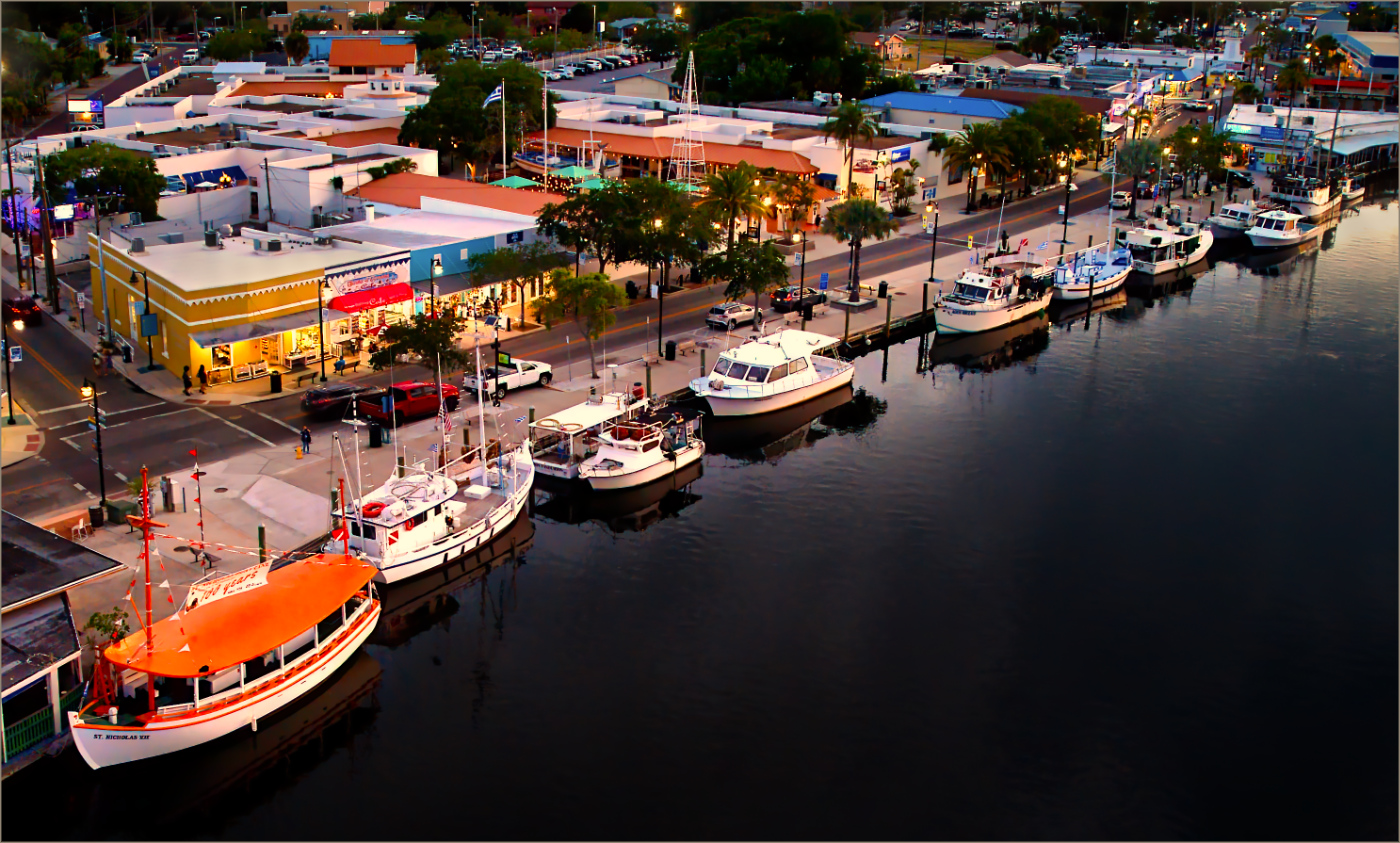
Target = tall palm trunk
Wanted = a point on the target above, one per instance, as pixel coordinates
(855, 270)
(850, 169)
(583, 329)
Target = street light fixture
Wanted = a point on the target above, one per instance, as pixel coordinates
(88, 391)
(933, 251)
(660, 294)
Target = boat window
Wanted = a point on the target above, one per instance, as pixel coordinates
(326, 629)
(757, 374)
(256, 668)
(355, 528)
(369, 532)
(738, 371)
(299, 646)
(778, 373)
(437, 510)
(722, 366)
(796, 366)
(419, 518)
(650, 444)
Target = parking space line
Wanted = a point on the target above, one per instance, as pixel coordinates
(238, 428)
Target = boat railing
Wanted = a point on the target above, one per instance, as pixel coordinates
(813, 374)
(177, 708)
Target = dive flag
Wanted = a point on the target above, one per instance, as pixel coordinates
(496, 95)
(1024, 243)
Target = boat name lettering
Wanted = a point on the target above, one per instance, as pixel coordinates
(113, 737)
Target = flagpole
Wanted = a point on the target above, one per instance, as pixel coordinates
(504, 165)
(544, 118)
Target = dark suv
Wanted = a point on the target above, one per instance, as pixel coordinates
(791, 298)
(23, 309)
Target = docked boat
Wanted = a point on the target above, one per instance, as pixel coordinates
(532, 160)
(1094, 272)
(1352, 189)
(769, 373)
(1235, 219)
(1309, 196)
(560, 443)
(635, 453)
(1278, 229)
(1161, 246)
(243, 646)
(981, 302)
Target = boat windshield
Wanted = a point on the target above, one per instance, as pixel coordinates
(968, 291)
(757, 374)
(722, 366)
(738, 371)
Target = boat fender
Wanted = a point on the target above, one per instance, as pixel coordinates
(372, 510)
(570, 427)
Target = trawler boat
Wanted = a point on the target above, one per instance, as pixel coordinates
(1096, 272)
(772, 372)
(1311, 197)
(426, 519)
(1160, 246)
(1235, 219)
(1352, 189)
(634, 453)
(243, 645)
(1277, 229)
(982, 302)
(531, 159)
(560, 443)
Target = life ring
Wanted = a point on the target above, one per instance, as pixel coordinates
(372, 510)
(570, 427)
(548, 424)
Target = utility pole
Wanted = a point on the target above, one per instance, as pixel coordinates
(933, 252)
(267, 189)
(9, 385)
(150, 353)
(14, 217)
(89, 391)
(46, 234)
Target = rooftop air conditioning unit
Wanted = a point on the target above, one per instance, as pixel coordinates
(138, 246)
(274, 246)
(1057, 81)
(134, 218)
(325, 241)
(212, 240)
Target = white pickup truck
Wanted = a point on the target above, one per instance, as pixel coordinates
(514, 374)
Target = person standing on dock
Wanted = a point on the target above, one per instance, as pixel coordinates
(305, 439)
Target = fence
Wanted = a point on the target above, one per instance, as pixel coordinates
(38, 727)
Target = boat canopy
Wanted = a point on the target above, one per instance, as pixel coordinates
(588, 414)
(780, 347)
(223, 633)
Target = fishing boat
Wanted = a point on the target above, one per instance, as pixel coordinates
(531, 159)
(1278, 229)
(1234, 219)
(635, 453)
(769, 373)
(1160, 246)
(981, 302)
(1311, 197)
(241, 647)
(1352, 189)
(1093, 272)
(560, 443)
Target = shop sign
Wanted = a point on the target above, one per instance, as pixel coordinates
(515, 237)
(372, 298)
(368, 275)
(900, 154)
(1271, 133)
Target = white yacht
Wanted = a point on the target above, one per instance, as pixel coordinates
(634, 453)
(772, 372)
(1311, 197)
(1160, 246)
(1096, 271)
(1235, 219)
(982, 302)
(1276, 229)
(560, 443)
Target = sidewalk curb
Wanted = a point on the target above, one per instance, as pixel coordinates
(33, 437)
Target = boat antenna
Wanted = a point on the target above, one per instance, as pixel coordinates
(480, 407)
(442, 411)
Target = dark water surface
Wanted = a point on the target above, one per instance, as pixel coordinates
(1134, 578)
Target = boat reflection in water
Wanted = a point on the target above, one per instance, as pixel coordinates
(995, 349)
(1067, 315)
(1275, 261)
(768, 437)
(625, 510)
(419, 604)
(223, 778)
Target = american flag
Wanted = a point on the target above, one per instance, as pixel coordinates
(443, 417)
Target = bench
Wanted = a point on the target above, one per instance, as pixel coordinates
(350, 366)
(685, 346)
(301, 379)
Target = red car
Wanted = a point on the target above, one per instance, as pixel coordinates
(406, 400)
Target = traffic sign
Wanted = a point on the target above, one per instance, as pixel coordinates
(825, 280)
(16, 354)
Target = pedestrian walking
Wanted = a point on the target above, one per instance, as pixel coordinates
(305, 439)
(203, 379)
(107, 367)
(97, 364)
(185, 376)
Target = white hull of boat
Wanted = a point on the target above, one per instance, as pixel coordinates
(1352, 194)
(1266, 239)
(105, 745)
(459, 544)
(1078, 290)
(952, 319)
(1313, 209)
(769, 403)
(653, 472)
(1228, 229)
(1159, 267)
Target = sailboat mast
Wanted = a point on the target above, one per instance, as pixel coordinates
(146, 556)
(480, 407)
(544, 118)
(442, 408)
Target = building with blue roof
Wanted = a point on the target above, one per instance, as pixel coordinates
(1370, 55)
(937, 110)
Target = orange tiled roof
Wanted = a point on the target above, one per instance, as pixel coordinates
(364, 137)
(302, 89)
(407, 190)
(358, 52)
(723, 154)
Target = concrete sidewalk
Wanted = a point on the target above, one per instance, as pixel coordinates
(21, 440)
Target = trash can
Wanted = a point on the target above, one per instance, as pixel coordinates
(126, 354)
(670, 349)
(807, 310)
(95, 516)
(167, 500)
(376, 435)
(274, 381)
(884, 290)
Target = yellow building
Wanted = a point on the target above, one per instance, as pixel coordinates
(247, 305)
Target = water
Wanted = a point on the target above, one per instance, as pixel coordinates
(1126, 578)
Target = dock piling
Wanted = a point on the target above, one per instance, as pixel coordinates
(262, 543)
(702, 362)
(889, 307)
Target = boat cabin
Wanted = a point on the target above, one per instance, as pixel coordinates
(776, 363)
(1158, 242)
(974, 288)
(558, 444)
(1237, 213)
(1278, 221)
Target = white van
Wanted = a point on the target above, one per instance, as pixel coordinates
(491, 57)
(190, 56)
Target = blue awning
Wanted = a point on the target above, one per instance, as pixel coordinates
(212, 176)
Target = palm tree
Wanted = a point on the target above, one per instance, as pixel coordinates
(1136, 159)
(848, 124)
(1246, 93)
(732, 194)
(1255, 55)
(978, 148)
(1292, 78)
(1140, 116)
(856, 220)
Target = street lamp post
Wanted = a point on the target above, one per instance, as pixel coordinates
(9, 385)
(150, 350)
(1068, 164)
(660, 296)
(933, 250)
(802, 281)
(321, 328)
(89, 391)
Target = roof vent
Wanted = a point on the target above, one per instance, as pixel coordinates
(138, 246)
(213, 240)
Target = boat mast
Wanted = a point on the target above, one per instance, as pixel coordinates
(145, 523)
(480, 407)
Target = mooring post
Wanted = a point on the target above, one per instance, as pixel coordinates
(262, 543)
(400, 469)
(923, 311)
(532, 414)
(889, 308)
(648, 380)
(846, 332)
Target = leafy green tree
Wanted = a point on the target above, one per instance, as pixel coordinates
(588, 300)
(455, 121)
(904, 185)
(109, 626)
(849, 123)
(760, 78)
(1137, 159)
(1040, 42)
(102, 169)
(120, 49)
(1025, 151)
(731, 194)
(1371, 17)
(298, 46)
(890, 84)
(1246, 93)
(1064, 127)
(311, 23)
(795, 197)
(663, 227)
(389, 168)
(427, 338)
(433, 60)
(1292, 78)
(598, 221)
(234, 45)
(657, 40)
(751, 268)
(855, 221)
(517, 266)
(979, 150)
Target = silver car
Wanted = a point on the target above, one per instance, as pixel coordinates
(729, 314)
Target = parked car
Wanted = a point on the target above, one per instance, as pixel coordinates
(1196, 105)
(190, 56)
(733, 313)
(413, 17)
(1144, 189)
(332, 399)
(141, 58)
(515, 374)
(411, 400)
(1120, 201)
(794, 297)
(23, 309)
(1238, 178)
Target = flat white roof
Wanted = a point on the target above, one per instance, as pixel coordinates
(586, 415)
(193, 268)
(424, 228)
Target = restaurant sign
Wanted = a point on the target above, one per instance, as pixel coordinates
(369, 275)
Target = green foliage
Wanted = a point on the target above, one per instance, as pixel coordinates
(439, 31)
(1202, 148)
(516, 266)
(310, 23)
(565, 40)
(1025, 151)
(904, 185)
(658, 40)
(855, 221)
(1040, 42)
(890, 84)
(1246, 93)
(428, 338)
(751, 268)
(298, 47)
(389, 168)
(432, 60)
(100, 168)
(795, 195)
(731, 194)
(120, 49)
(109, 626)
(338, 182)
(1064, 127)
(1292, 78)
(1136, 159)
(596, 222)
(978, 146)
(588, 300)
(235, 45)
(849, 123)
(663, 227)
(1371, 17)
(454, 121)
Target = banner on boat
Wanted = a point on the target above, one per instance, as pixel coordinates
(227, 586)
